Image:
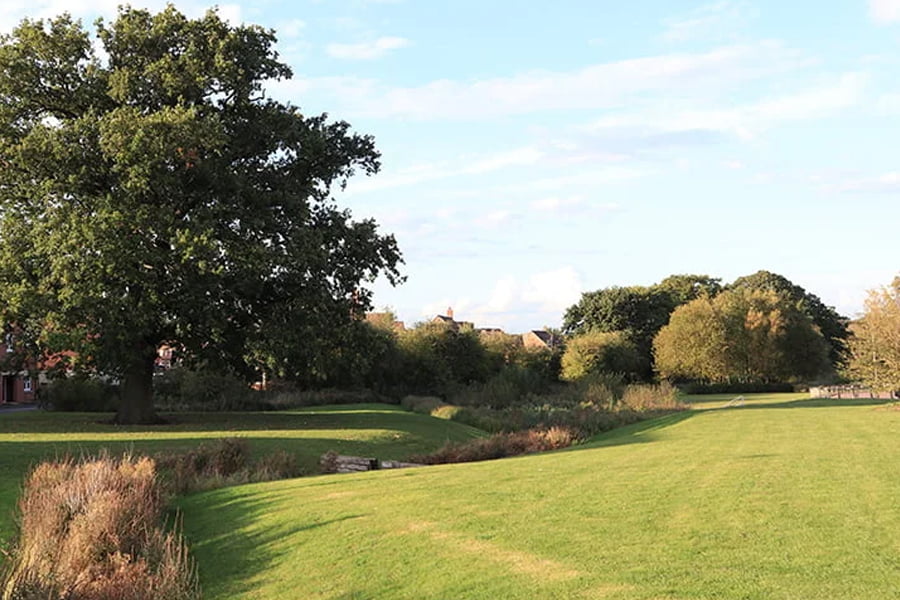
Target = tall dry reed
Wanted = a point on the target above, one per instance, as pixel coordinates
(92, 530)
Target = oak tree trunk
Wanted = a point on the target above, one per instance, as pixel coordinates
(136, 401)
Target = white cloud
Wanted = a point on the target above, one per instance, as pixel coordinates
(517, 157)
(709, 20)
(884, 183)
(291, 28)
(466, 165)
(888, 104)
(743, 121)
(367, 50)
(495, 218)
(554, 291)
(599, 86)
(885, 11)
(231, 13)
(554, 203)
(540, 299)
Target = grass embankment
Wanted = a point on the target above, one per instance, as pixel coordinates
(377, 430)
(780, 498)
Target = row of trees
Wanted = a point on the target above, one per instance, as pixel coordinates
(760, 328)
(431, 358)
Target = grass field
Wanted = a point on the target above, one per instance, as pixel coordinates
(780, 498)
(378, 430)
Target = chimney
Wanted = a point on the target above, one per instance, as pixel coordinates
(450, 311)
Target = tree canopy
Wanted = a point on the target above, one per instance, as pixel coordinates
(596, 352)
(151, 194)
(740, 336)
(637, 311)
(875, 341)
(832, 325)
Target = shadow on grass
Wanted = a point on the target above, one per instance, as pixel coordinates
(228, 543)
(803, 403)
(636, 433)
(346, 417)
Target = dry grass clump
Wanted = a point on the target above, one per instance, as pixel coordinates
(502, 445)
(92, 530)
(660, 396)
(223, 463)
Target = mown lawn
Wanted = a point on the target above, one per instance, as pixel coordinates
(780, 498)
(378, 430)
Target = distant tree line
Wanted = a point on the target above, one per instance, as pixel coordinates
(761, 328)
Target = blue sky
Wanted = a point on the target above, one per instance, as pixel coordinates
(531, 153)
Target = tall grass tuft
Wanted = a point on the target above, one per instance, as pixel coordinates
(92, 530)
(223, 463)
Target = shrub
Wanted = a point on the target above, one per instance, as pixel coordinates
(222, 463)
(511, 386)
(501, 445)
(600, 352)
(91, 530)
(80, 394)
(424, 405)
(185, 389)
(286, 398)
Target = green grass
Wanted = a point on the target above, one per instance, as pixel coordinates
(378, 430)
(780, 498)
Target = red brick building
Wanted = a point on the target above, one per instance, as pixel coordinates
(15, 386)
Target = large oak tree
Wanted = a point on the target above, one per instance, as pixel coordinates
(151, 194)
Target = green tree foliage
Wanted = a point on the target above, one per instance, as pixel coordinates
(638, 312)
(596, 352)
(875, 341)
(150, 194)
(832, 325)
(741, 335)
(437, 355)
(500, 348)
(684, 288)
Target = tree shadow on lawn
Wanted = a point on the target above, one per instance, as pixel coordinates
(636, 433)
(17, 457)
(804, 403)
(229, 551)
(359, 419)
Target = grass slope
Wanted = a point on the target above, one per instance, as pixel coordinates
(379, 430)
(781, 498)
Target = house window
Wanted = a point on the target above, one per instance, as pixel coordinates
(27, 384)
(8, 340)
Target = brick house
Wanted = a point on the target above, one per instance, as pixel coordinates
(453, 324)
(15, 386)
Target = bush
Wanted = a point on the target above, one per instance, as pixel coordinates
(424, 405)
(80, 394)
(91, 530)
(286, 398)
(202, 390)
(592, 405)
(601, 352)
(222, 463)
(511, 386)
(501, 445)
